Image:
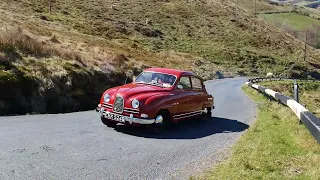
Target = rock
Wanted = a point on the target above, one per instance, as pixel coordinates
(42, 17)
(149, 32)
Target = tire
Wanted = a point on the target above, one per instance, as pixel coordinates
(207, 113)
(108, 122)
(160, 127)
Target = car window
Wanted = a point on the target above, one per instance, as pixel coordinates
(196, 84)
(185, 82)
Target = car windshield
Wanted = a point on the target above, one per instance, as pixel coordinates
(157, 79)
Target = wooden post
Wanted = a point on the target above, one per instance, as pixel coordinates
(255, 7)
(50, 6)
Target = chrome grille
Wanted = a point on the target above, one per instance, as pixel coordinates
(106, 105)
(118, 104)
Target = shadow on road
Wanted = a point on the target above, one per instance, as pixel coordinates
(190, 129)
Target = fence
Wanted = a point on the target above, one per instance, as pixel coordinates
(311, 122)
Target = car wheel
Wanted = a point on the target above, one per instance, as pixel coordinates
(108, 122)
(206, 112)
(159, 127)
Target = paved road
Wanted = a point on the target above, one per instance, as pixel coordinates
(79, 146)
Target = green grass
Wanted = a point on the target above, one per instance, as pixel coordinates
(309, 93)
(276, 146)
(292, 20)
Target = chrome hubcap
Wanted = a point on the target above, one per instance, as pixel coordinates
(159, 119)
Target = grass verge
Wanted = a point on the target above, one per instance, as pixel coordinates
(275, 147)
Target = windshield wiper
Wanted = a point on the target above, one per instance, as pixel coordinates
(150, 83)
(140, 82)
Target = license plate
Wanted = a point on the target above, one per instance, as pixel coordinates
(116, 117)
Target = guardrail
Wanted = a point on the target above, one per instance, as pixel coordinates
(255, 80)
(311, 122)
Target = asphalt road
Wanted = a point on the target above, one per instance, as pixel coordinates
(79, 146)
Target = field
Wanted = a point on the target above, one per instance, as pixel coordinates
(276, 146)
(292, 20)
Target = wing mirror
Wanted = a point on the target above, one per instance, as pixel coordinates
(180, 86)
(130, 80)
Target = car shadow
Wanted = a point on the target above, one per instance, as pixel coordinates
(189, 129)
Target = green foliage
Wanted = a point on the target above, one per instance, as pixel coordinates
(7, 77)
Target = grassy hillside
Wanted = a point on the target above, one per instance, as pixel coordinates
(83, 47)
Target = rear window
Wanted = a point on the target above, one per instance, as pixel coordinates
(196, 84)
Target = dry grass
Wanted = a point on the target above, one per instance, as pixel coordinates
(14, 41)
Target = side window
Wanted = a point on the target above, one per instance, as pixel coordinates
(184, 83)
(196, 84)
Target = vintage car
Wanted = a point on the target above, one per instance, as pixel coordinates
(157, 97)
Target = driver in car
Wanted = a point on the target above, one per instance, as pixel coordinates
(158, 80)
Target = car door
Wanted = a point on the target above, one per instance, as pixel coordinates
(184, 99)
(199, 96)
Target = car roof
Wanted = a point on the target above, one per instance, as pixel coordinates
(175, 72)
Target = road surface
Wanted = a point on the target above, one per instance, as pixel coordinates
(79, 146)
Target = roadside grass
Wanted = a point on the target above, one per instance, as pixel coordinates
(292, 20)
(309, 92)
(276, 146)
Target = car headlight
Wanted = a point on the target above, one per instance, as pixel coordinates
(135, 103)
(106, 98)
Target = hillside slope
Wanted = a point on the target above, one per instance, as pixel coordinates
(83, 47)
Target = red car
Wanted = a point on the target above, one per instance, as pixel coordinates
(157, 97)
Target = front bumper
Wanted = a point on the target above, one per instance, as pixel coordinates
(126, 119)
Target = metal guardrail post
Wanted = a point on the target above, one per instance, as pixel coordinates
(296, 91)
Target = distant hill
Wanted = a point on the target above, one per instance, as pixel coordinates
(62, 61)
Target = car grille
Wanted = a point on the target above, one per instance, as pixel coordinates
(118, 104)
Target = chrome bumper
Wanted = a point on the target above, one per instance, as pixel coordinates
(130, 119)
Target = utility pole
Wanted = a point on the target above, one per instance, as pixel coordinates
(305, 46)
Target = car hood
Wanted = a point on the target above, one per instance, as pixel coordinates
(139, 91)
